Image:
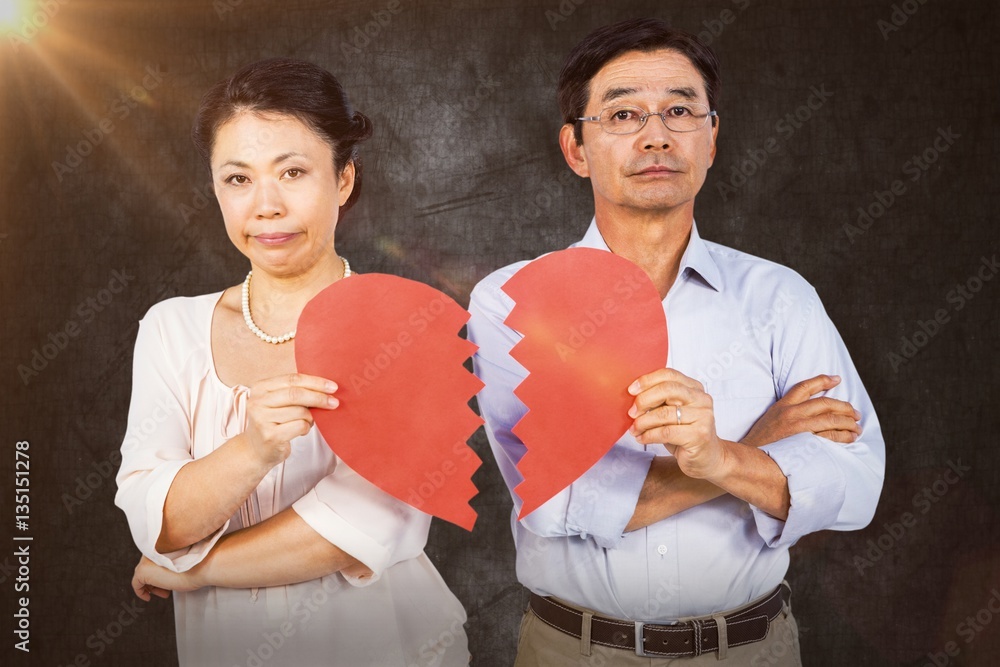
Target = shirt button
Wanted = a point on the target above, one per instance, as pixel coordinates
(662, 549)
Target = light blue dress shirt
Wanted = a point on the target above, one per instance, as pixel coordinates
(749, 330)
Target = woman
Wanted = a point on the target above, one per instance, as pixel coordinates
(277, 552)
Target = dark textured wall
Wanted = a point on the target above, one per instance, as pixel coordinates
(463, 176)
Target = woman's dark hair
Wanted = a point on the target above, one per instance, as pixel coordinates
(294, 88)
(607, 43)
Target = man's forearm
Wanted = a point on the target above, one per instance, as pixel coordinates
(751, 475)
(668, 491)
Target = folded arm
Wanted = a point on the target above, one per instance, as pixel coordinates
(179, 508)
(668, 491)
(209, 490)
(796, 480)
(833, 486)
(282, 550)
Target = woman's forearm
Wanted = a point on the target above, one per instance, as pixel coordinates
(281, 550)
(207, 492)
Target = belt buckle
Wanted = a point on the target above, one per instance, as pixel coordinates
(640, 640)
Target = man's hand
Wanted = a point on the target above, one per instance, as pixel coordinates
(674, 409)
(797, 412)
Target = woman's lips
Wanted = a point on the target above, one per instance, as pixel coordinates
(275, 238)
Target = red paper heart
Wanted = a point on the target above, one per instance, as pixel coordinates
(392, 347)
(592, 323)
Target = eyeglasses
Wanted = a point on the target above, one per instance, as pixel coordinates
(686, 117)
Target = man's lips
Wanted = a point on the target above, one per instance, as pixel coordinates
(275, 238)
(656, 169)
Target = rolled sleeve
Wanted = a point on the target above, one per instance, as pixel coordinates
(363, 521)
(816, 485)
(603, 500)
(146, 532)
(832, 486)
(156, 446)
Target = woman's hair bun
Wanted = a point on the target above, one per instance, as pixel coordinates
(363, 127)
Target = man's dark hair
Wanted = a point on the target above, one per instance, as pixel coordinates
(605, 44)
(294, 88)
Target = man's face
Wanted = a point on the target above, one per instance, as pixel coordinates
(654, 169)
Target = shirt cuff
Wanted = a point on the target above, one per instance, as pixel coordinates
(816, 486)
(338, 532)
(603, 500)
(184, 559)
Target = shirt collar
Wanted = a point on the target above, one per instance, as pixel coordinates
(696, 256)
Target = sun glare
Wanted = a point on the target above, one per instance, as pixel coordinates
(13, 13)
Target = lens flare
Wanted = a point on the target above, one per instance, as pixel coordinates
(13, 13)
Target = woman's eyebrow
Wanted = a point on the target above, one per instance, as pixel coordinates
(285, 156)
(279, 158)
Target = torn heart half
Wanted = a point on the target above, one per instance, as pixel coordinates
(592, 322)
(392, 347)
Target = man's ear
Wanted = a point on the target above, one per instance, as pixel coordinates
(715, 135)
(572, 151)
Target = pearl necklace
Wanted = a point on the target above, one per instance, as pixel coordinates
(273, 340)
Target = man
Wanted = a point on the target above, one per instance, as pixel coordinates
(675, 544)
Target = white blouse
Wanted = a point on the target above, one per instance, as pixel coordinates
(403, 614)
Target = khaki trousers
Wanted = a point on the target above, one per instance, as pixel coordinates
(541, 645)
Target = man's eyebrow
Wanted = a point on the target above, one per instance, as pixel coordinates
(686, 92)
(613, 94)
(279, 158)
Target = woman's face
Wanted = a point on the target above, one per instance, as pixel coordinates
(279, 192)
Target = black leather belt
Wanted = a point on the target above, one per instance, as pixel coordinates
(685, 639)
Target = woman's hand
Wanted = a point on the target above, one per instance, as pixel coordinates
(278, 410)
(797, 412)
(151, 579)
